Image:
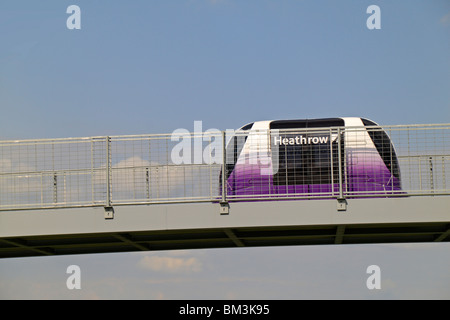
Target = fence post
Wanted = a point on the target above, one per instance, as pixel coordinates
(430, 160)
(55, 188)
(109, 211)
(331, 162)
(342, 203)
(224, 207)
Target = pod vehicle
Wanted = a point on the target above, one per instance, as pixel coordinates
(311, 158)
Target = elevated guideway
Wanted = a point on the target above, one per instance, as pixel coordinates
(201, 225)
(126, 193)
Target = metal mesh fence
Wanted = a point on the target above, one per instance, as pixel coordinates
(424, 157)
(36, 173)
(188, 167)
(163, 168)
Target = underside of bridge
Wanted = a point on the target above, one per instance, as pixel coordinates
(198, 226)
(220, 238)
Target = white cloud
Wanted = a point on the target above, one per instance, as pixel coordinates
(170, 264)
(136, 178)
(179, 253)
(445, 20)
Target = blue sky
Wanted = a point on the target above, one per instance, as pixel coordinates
(141, 67)
(155, 66)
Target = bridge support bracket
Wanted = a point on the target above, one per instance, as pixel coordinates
(341, 204)
(224, 208)
(109, 213)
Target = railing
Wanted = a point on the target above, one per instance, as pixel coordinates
(167, 168)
